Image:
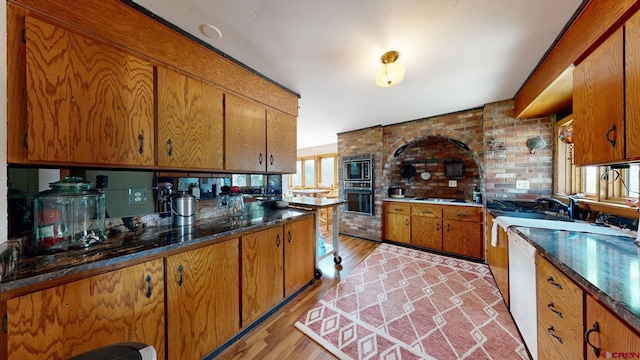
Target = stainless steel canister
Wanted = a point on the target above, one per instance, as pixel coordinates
(183, 209)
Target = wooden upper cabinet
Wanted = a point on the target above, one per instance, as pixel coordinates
(190, 122)
(281, 142)
(632, 84)
(299, 254)
(245, 135)
(203, 299)
(598, 106)
(66, 320)
(86, 102)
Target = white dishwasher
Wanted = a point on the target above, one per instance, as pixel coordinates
(522, 290)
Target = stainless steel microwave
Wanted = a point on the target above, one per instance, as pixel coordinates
(357, 170)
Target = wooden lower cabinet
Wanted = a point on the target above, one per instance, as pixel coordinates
(498, 257)
(613, 339)
(66, 320)
(559, 311)
(203, 299)
(262, 273)
(426, 226)
(462, 231)
(299, 259)
(396, 222)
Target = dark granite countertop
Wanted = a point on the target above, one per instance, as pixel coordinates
(128, 246)
(608, 267)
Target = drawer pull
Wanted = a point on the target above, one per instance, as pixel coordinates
(553, 309)
(595, 328)
(553, 282)
(437, 226)
(180, 269)
(461, 215)
(406, 222)
(552, 333)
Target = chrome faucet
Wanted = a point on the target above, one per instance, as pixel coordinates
(571, 210)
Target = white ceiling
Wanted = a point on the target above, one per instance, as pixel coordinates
(459, 54)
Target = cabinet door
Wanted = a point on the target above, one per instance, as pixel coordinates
(632, 86)
(462, 238)
(66, 320)
(598, 104)
(245, 135)
(86, 102)
(299, 254)
(190, 122)
(498, 257)
(203, 299)
(281, 142)
(397, 227)
(262, 273)
(614, 337)
(426, 231)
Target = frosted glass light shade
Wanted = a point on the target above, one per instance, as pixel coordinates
(389, 74)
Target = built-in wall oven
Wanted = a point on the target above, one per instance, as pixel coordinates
(358, 184)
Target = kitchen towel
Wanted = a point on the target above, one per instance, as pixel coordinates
(507, 221)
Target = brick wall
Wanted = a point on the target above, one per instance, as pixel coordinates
(518, 163)
(428, 139)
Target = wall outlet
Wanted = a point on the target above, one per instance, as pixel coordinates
(522, 184)
(453, 183)
(137, 196)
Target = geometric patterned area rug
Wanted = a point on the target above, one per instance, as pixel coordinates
(402, 303)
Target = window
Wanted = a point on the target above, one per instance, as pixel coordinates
(244, 180)
(614, 183)
(315, 172)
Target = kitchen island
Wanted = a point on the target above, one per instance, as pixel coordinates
(315, 204)
(208, 283)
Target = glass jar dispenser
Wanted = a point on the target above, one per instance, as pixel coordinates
(69, 215)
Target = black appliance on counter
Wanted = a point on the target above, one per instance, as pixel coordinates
(358, 184)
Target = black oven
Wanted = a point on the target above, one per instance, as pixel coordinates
(359, 201)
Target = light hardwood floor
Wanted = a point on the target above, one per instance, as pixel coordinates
(276, 337)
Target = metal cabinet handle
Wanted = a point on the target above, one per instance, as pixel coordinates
(552, 333)
(169, 147)
(448, 227)
(552, 282)
(406, 222)
(271, 159)
(148, 280)
(278, 240)
(140, 143)
(595, 328)
(289, 235)
(437, 226)
(180, 268)
(611, 141)
(554, 310)
(461, 215)
(260, 158)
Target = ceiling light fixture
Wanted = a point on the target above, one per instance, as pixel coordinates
(391, 72)
(211, 31)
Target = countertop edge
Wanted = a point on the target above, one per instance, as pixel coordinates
(413, 201)
(12, 285)
(630, 318)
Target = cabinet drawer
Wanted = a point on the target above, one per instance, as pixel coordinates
(462, 213)
(426, 210)
(397, 208)
(560, 304)
(553, 285)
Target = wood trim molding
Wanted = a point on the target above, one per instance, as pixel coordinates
(595, 20)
